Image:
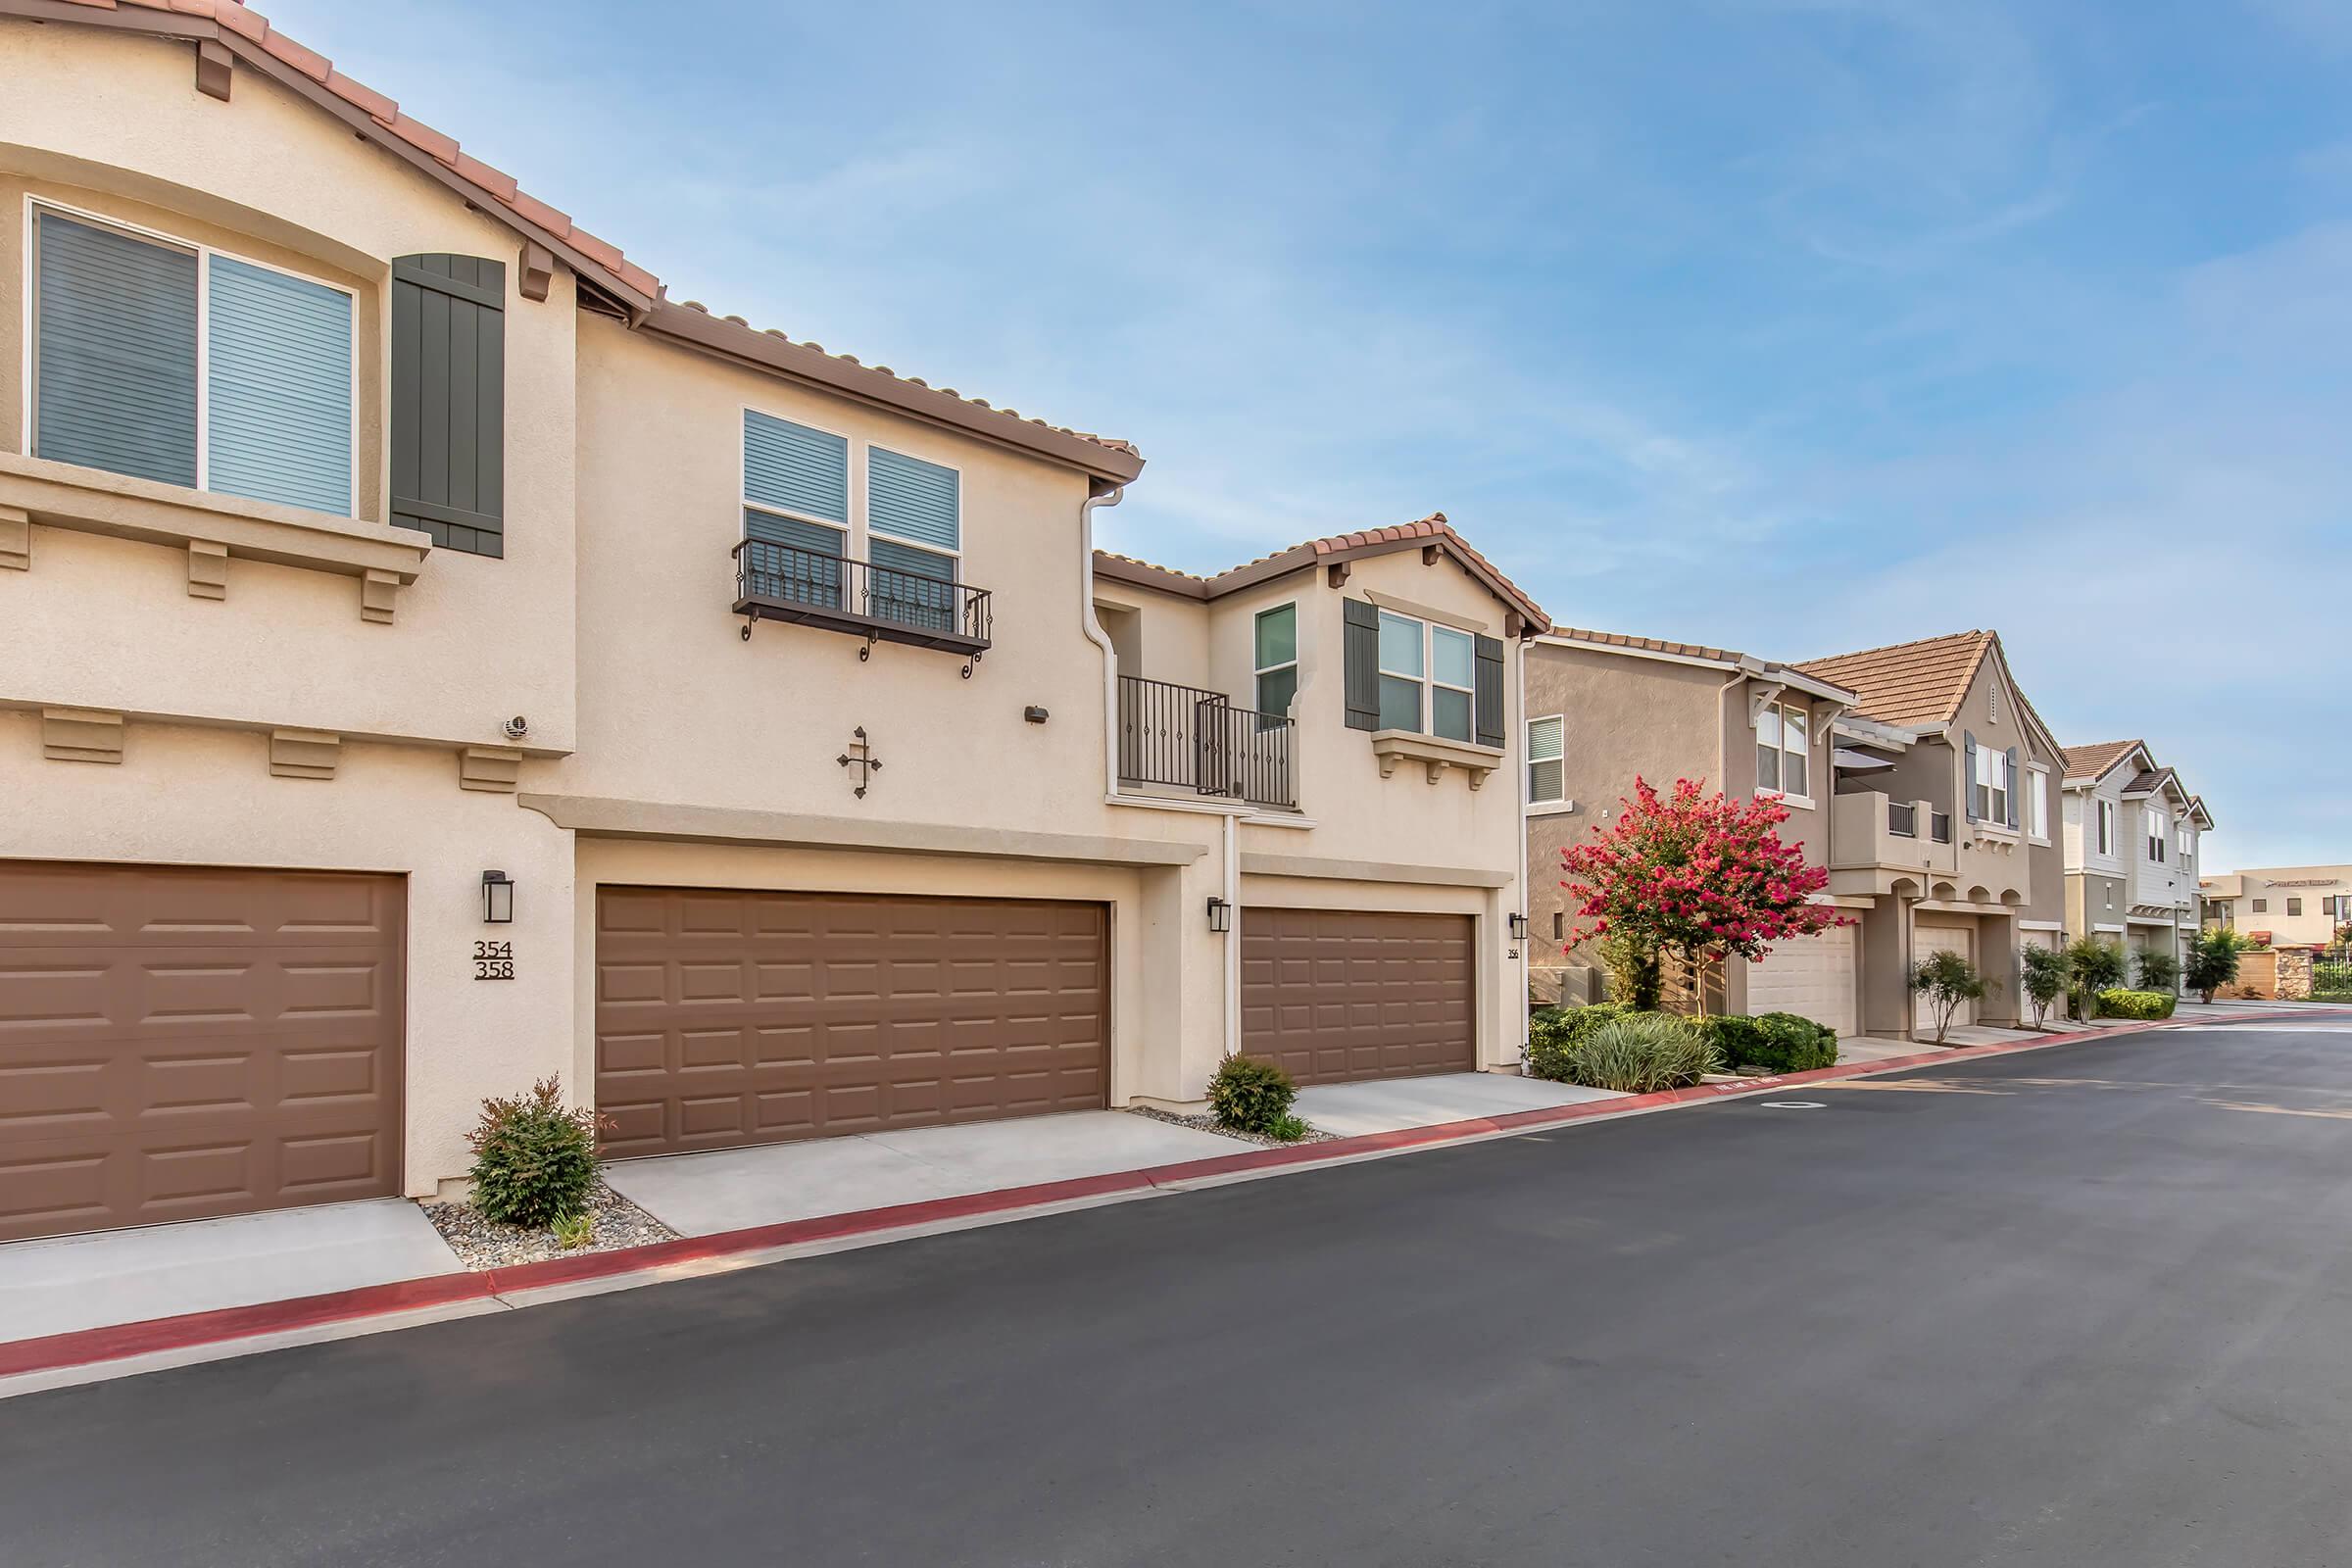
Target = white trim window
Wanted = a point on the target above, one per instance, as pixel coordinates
(1784, 750)
(795, 498)
(2106, 825)
(2156, 830)
(1428, 677)
(1990, 789)
(2187, 844)
(1276, 650)
(154, 357)
(1546, 764)
(2037, 803)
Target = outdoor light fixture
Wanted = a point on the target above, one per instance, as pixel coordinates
(1518, 928)
(498, 897)
(1220, 915)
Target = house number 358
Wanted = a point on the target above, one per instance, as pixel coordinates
(494, 960)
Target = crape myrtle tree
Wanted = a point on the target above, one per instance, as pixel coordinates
(1694, 876)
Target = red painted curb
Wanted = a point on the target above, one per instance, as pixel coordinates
(82, 1347)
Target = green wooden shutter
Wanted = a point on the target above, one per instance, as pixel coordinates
(1489, 692)
(1968, 777)
(1361, 672)
(449, 400)
(114, 365)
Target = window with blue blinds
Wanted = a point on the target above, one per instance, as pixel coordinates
(909, 499)
(795, 469)
(277, 421)
(115, 370)
(116, 378)
(912, 587)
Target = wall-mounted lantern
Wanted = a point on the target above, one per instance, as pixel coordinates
(498, 897)
(1518, 928)
(1220, 915)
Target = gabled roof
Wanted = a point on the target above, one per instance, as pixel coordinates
(1763, 669)
(227, 31)
(2090, 764)
(1432, 532)
(1916, 683)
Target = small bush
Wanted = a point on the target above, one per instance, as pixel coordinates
(2043, 977)
(534, 1158)
(2158, 971)
(2139, 1005)
(574, 1231)
(1795, 1044)
(1251, 1095)
(1552, 1037)
(1642, 1052)
(1736, 1039)
(1288, 1128)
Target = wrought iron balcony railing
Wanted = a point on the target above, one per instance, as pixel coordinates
(1187, 738)
(880, 604)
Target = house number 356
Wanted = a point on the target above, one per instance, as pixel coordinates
(494, 960)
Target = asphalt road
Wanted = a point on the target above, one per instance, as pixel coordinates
(2083, 1307)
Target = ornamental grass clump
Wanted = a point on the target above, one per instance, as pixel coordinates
(1642, 1052)
(534, 1157)
(1552, 1037)
(1251, 1095)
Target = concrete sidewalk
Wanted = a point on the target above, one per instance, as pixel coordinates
(58, 1285)
(1395, 1104)
(736, 1189)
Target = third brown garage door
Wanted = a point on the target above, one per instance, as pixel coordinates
(725, 1018)
(1340, 994)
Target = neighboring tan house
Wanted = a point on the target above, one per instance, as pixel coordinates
(1604, 710)
(1942, 826)
(2284, 906)
(2132, 835)
(431, 659)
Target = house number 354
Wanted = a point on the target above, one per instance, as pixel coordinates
(494, 960)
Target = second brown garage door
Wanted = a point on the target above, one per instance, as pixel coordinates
(1339, 995)
(725, 1018)
(180, 1043)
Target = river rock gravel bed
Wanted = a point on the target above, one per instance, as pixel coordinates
(1203, 1122)
(484, 1244)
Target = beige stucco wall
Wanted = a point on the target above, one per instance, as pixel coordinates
(2275, 885)
(191, 795)
(112, 123)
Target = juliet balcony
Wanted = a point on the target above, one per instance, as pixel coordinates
(859, 598)
(1185, 739)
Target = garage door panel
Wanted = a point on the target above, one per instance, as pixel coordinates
(178, 1044)
(843, 1014)
(1337, 995)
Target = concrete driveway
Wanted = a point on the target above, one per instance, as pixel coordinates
(700, 1195)
(1392, 1104)
(2077, 1307)
(64, 1282)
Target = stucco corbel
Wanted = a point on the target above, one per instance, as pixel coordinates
(379, 594)
(15, 539)
(304, 753)
(494, 769)
(536, 272)
(208, 570)
(80, 735)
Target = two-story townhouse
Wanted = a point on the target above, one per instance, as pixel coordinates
(2132, 831)
(430, 660)
(1941, 827)
(2284, 906)
(1603, 709)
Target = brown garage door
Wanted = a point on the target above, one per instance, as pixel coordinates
(725, 1018)
(1339, 995)
(177, 1044)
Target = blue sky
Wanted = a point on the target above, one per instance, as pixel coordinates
(1794, 325)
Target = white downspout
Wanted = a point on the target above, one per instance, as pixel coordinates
(1095, 632)
(1232, 940)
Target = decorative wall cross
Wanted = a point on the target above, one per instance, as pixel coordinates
(861, 756)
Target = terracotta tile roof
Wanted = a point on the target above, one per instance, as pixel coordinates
(234, 24)
(1912, 683)
(2092, 762)
(1653, 645)
(1433, 528)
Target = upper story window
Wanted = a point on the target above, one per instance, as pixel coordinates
(2262, 905)
(2038, 801)
(2294, 906)
(1784, 750)
(2106, 827)
(174, 362)
(2189, 843)
(1988, 791)
(1547, 770)
(1426, 668)
(1277, 657)
(2156, 834)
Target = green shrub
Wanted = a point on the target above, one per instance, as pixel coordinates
(2213, 960)
(1251, 1095)
(1642, 1052)
(1795, 1044)
(534, 1157)
(2140, 1005)
(1288, 1128)
(2158, 971)
(1552, 1037)
(1736, 1038)
(1945, 980)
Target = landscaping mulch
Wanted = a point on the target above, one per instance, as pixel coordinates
(483, 1244)
(1203, 1122)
